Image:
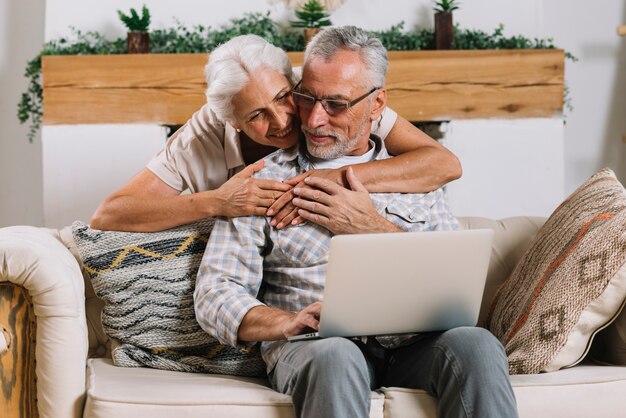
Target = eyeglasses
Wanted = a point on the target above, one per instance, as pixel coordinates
(332, 106)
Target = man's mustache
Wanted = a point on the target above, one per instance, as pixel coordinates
(319, 132)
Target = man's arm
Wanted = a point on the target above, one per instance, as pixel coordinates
(344, 211)
(227, 284)
(263, 323)
(230, 276)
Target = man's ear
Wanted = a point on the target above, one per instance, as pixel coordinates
(378, 104)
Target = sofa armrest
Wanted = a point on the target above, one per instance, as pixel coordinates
(36, 260)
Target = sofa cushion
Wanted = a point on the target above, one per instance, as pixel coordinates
(579, 392)
(146, 281)
(569, 284)
(136, 393)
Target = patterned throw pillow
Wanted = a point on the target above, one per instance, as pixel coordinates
(570, 283)
(146, 281)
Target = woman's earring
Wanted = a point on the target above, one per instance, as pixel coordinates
(238, 130)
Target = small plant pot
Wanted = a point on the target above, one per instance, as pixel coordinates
(138, 42)
(444, 30)
(309, 33)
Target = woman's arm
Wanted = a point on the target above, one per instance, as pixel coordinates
(146, 203)
(420, 165)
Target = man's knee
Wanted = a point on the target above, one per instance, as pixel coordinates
(338, 353)
(336, 359)
(332, 378)
(472, 342)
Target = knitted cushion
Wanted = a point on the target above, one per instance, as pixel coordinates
(569, 284)
(146, 281)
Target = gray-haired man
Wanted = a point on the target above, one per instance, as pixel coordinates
(340, 95)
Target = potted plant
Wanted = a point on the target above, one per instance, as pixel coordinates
(312, 17)
(138, 39)
(444, 27)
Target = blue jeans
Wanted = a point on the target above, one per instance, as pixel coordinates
(466, 368)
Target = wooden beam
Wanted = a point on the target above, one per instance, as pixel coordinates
(444, 85)
(422, 85)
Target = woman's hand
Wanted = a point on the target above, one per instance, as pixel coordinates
(243, 195)
(336, 175)
(340, 210)
(283, 211)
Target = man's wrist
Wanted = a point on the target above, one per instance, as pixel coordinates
(386, 225)
(264, 323)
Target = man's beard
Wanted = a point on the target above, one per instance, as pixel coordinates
(342, 145)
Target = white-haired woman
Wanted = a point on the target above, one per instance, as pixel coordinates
(249, 113)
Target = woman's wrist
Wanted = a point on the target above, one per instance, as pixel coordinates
(211, 204)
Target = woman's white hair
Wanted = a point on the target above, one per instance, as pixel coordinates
(230, 64)
(326, 44)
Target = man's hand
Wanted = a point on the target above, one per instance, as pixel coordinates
(243, 195)
(263, 323)
(284, 212)
(305, 320)
(340, 210)
(336, 175)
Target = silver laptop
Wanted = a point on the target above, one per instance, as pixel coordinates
(394, 283)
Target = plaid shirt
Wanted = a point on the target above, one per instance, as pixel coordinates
(244, 252)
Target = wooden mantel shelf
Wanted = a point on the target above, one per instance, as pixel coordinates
(422, 86)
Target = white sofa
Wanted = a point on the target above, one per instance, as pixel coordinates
(76, 378)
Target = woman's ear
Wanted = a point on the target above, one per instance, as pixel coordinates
(378, 104)
(235, 125)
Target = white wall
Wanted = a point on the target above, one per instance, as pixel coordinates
(84, 163)
(596, 126)
(597, 82)
(519, 16)
(503, 174)
(21, 36)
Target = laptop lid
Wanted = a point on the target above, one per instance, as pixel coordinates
(390, 283)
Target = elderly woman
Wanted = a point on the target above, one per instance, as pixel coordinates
(209, 154)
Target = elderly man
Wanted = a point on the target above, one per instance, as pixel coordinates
(340, 95)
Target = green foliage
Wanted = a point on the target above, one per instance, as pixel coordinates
(133, 22)
(477, 39)
(180, 39)
(200, 39)
(446, 6)
(311, 15)
(396, 39)
(30, 107)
